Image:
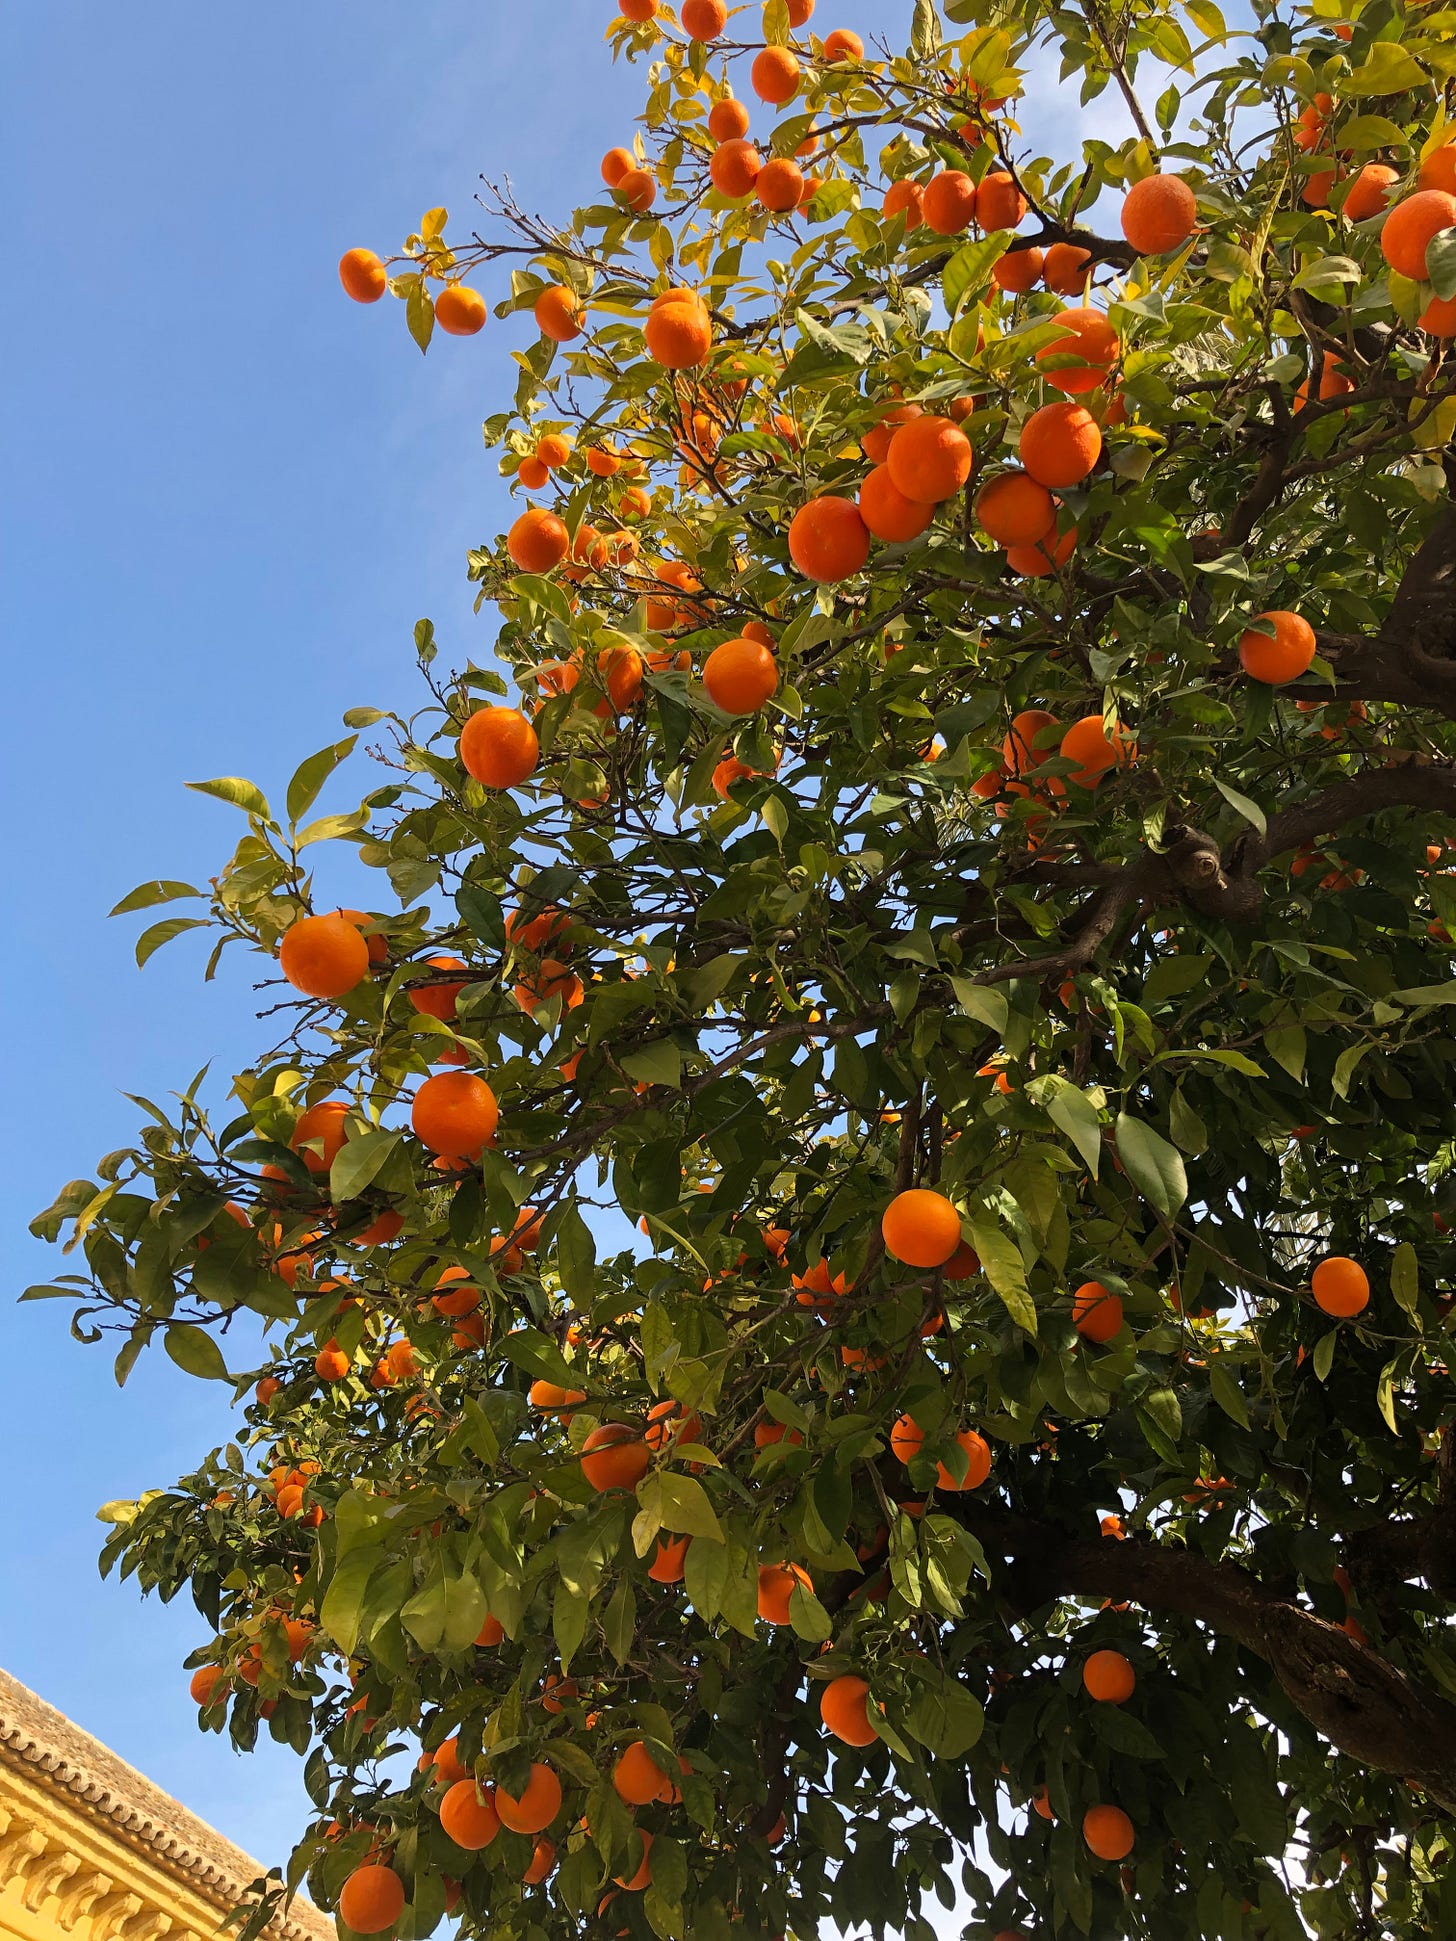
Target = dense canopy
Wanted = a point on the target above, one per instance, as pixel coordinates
(840, 1292)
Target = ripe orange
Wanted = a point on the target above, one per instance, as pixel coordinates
(621, 671)
(553, 450)
(1090, 338)
(438, 1000)
(1045, 557)
(616, 163)
(842, 45)
(887, 512)
(1064, 269)
(460, 310)
(371, 1899)
(550, 1395)
(538, 541)
(331, 1364)
(776, 1586)
(1159, 214)
(1107, 1830)
(1060, 444)
(905, 198)
(929, 459)
(638, 189)
(828, 540)
(669, 1422)
(558, 313)
(1369, 192)
(635, 1883)
(703, 19)
(363, 276)
(1439, 317)
(637, 1778)
(799, 12)
(614, 1457)
(1438, 169)
(1027, 745)
(735, 167)
(323, 956)
(978, 1463)
(999, 203)
(1015, 510)
(207, 1685)
(638, 10)
(844, 1708)
(498, 746)
(875, 444)
(775, 75)
(780, 185)
(678, 332)
(543, 1860)
(921, 1227)
(1086, 742)
(325, 1127)
(1282, 658)
(669, 1562)
(1018, 271)
(532, 474)
(727, 120)
(537, 1806)
(552, 979)
(468, 1815)
(1096, 1313)
(756, 630)
(377, 944)
(463, 1297)
(948, 205)
(1108, 1677)
(906, 1439)
(740, 676)
(1340, 1286)
(603, 463)
(1407, 231)
(454, 1113)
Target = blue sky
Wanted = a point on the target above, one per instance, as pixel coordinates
(230, 494)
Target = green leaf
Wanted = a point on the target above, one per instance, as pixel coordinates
(1370, 131)
(1188, 1130)
(359, 1163)
(1072, 1112)
(195, 1350)
(160, 890)
(1324, 1354)
(310, 776)
(1002, 1265)
(1345, 1065)
(1441, 262)
(568, 1621)
(680, 1504)
(539, 1356)
(419, 313)
(1287, 1044)
(807, 1616)
(970, 268)
(945, 1718)
(659, 1064)
(619, 1623)
(1405, 1277)
(1250, 811)
(1389, 70)
(1225, 1389)
(1153, 1166)
(983, 1002)
(1115, 1726)
(151, 941)
(242, 794)
(576, 1255)
(1385, 1395)
(343, 1604)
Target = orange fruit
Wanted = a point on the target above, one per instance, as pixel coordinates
(799, 12)
(828, 540)
(780, 185)
(906, 1439)
(552, 979)
(638, 10)
(438, 1000)
(776, 1586)
(538, 541)
(905, 198)
(921, 1227)
(463, 1298)
(669, 1423)
(1282, 658)
(557, 311)
(1089, 337)
(1015, 510)
(727, 120)
(603, 463)
(532, 474)
(775, 75)
(1108, 1677)
(1027, 744)
(1036, 562)
(371, 1899)
(363, 276)
(543, 1860)
(1439, 317)
(669, 1561)
(621, 671)
(886, 511)
(638, 189)
(468, 1815)
(978, 1463)
(323, 956)
(703, 19)
(1341, 1287)
(377, 945)
(1018, 270)
(844, 1708)
(1438, 169)
(735, 167)
(1064, 269)
(875, 443)
(614, 1457)
(1159, 214)
(842, 45)
(454, 1113)
(550, 1395)
(324, 1125)
(679, 334)
(1369, 192)
(553, 450)
(536, 1807)
(207, 1685)
(634, 1883)
(637, 1778)
(498, 746)
(1407, 231)
(1107, 1829)
(999, 203)
(459, 310)
(331, 1364)
(948, 204)
(929, 459)
(616, 163)
(1086, 742)
(1060, 443)
(1096, 1314)
(740, 676)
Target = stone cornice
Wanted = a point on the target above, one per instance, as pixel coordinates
(52, 1774)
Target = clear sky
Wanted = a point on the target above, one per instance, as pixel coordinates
(229, 493)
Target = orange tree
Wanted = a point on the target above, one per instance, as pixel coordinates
(951, 844)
